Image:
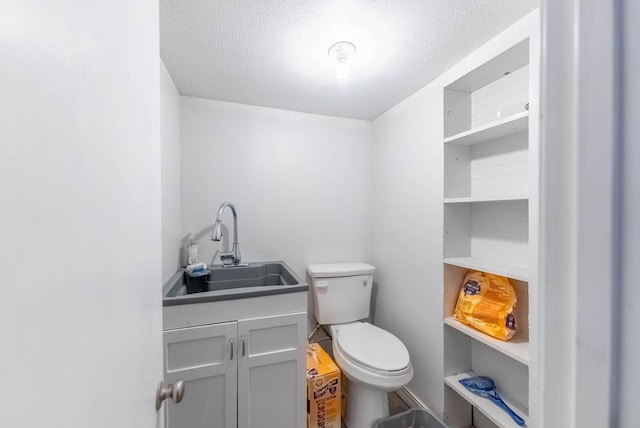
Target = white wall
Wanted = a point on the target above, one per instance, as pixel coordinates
(301, 182)
(589, 250)
(80, 313)
(170, 155)
(407, 234)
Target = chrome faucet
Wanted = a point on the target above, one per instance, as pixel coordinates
(231, 258)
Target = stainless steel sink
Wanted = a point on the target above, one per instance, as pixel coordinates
(224, 283)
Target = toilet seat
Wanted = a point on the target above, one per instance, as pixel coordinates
(372, 347)
(362, 365)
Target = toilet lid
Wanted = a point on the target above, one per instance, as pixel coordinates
(373, 347)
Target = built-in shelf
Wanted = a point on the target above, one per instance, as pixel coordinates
(491, 131)
(485, 405)
(520, 273)
(515, 348)
(468, 199)
(491, 177)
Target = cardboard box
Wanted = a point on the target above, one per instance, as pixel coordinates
(323, 389)
(344, 385)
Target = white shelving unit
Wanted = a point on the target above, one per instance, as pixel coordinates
(484, 405)
(467, 199)
(517, 349)
(492, 131)
(490, 218)
(520, 273)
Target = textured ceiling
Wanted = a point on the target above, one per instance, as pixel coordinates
(273, 53)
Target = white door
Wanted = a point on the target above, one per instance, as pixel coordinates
(271, 372)
(205, 358)
(81, 308)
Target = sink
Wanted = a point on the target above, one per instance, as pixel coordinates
(225, 283)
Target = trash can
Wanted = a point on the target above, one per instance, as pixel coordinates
(412, 418)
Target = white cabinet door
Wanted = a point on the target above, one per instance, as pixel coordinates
(271, 372)
(205, 358)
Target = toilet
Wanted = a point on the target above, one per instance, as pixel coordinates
(373, 360)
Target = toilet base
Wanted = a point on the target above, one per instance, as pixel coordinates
(365, 405)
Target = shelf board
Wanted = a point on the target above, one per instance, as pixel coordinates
(516, 349)
(520, 273)
(467, 199)
(510, 60)
(491, 131)
(484, 405)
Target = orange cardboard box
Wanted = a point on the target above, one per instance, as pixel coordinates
(323, 389)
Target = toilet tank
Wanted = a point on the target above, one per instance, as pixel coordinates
(341, 291)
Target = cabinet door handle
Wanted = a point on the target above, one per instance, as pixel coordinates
(231, 349)
(244, 348)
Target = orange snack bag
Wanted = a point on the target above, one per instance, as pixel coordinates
(487, 303)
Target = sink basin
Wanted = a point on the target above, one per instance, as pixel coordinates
(256, 279)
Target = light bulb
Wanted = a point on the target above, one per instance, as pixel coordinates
(342, 68)
(341, 53)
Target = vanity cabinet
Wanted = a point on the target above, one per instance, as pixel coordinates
(245, 373)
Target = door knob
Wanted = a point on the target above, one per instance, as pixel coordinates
(175, 391)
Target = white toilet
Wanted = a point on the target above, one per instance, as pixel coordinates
(373, 360)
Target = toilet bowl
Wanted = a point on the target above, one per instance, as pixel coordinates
(373, 360)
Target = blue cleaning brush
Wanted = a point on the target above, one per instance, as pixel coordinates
(484, 386)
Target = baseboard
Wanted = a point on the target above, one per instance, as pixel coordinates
(410, 398)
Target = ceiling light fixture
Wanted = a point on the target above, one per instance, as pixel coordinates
(341, 53)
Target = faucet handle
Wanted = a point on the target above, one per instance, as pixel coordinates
(227, 259)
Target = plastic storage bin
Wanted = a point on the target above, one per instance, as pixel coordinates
(197, 282)
(412, 418)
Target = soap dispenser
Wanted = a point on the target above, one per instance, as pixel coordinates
(193, 252)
